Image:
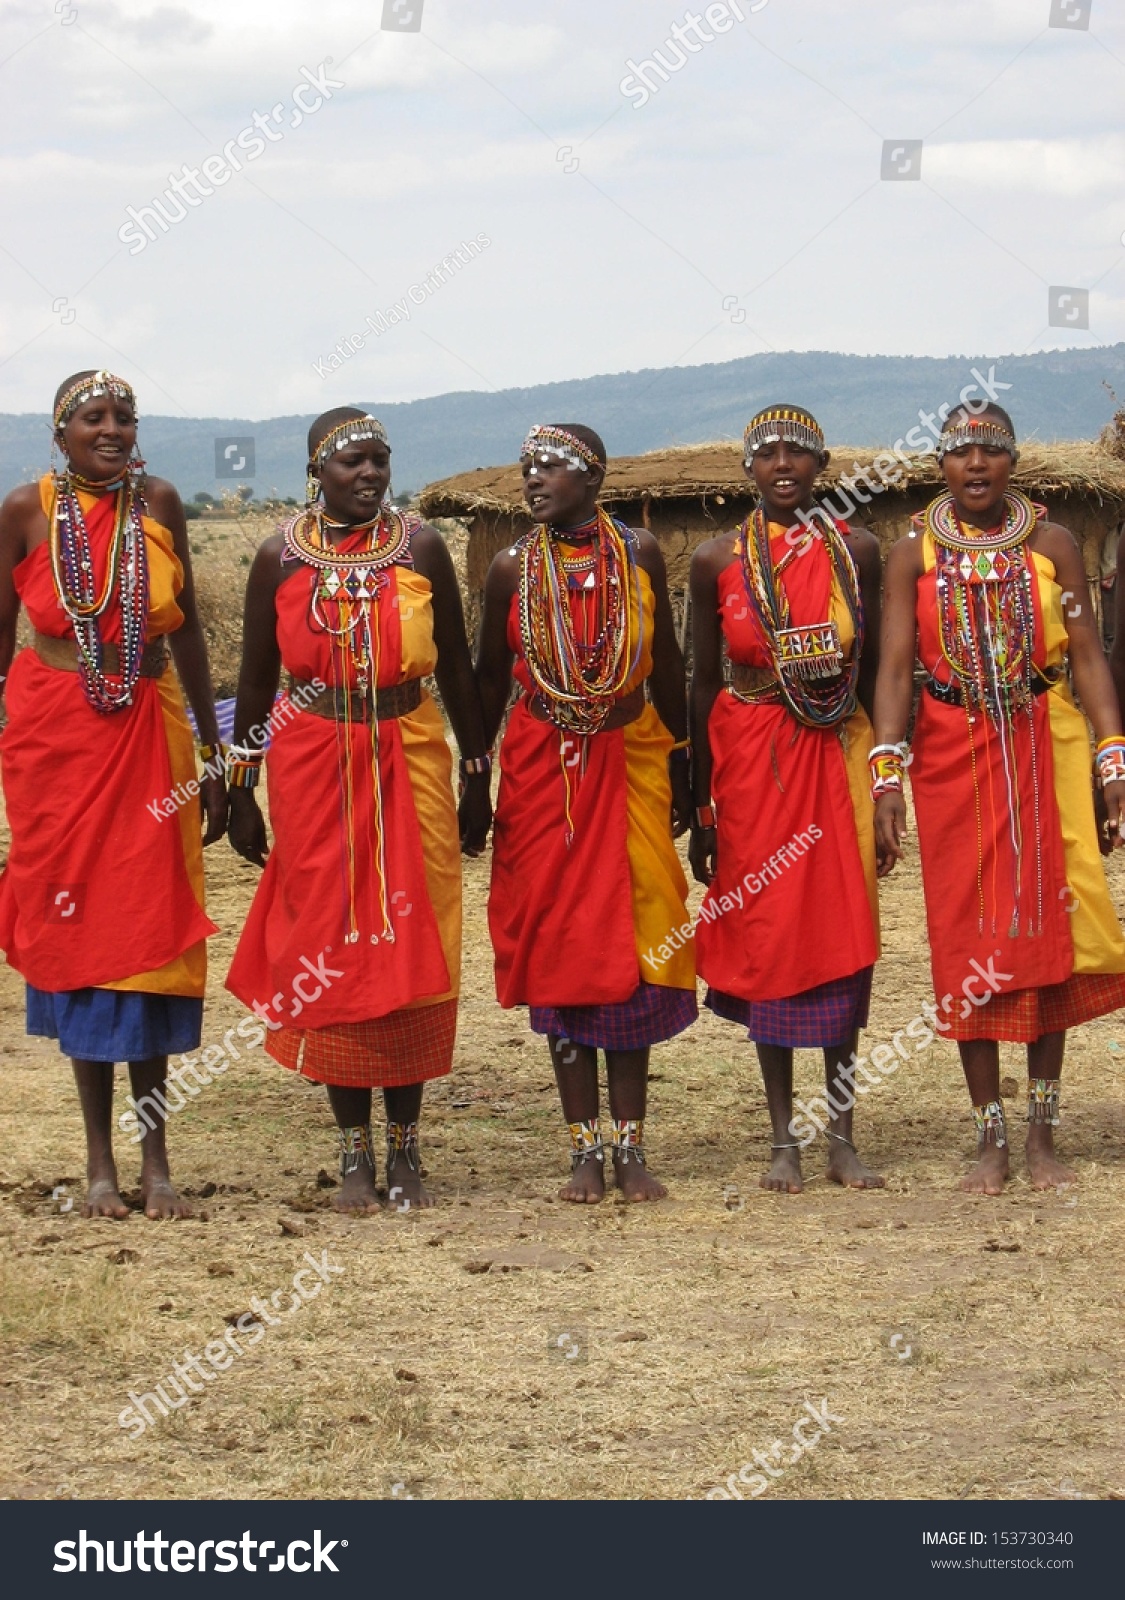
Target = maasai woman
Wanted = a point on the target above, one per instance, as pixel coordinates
(351, 954)
(101, 903)
(1024, 942)
(587, 906)
(783, 822)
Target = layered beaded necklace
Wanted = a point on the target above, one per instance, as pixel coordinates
(986, 616)
(343, 604)
(817, 686)
(580, 678)
(126, 581)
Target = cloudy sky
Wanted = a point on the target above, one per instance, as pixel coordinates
(742, 207)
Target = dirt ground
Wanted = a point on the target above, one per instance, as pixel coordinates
(505, 1345)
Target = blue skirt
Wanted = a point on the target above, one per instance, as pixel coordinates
(115, 1024)
(817, 1019)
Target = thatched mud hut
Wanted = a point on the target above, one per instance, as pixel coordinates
(687, 495)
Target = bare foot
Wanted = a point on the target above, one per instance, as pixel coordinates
(635, 1181)
(990, 1172)
(845, 1167)
(161, 1201)
(405, 1189)
(1043, 1168)
(357, 1193)
(586, 1185)
(103, 1199)
(784, 1175)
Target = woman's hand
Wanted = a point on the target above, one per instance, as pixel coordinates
(890, 831)
(247, 827)
(703, 853)
(213, 806)
(474, 813)
(1110, 815)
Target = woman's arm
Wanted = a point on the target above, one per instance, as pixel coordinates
(1092, 678)
(494, 657)
(869, 560)
(454, 673)
(13, 548)
(667, 684)
(706, 684)
(894, 687)
(258, 679)
(189, 651)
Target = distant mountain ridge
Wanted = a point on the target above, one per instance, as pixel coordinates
(859, 400)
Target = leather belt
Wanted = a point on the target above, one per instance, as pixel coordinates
(354, 705)
(63, 655)
(951, 694)
(624, 710)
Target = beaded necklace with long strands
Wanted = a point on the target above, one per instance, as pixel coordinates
(986, 616)
(579, 681)
(816, 684)
(352, 583)
(126, 580)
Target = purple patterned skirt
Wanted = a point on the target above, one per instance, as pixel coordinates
(815, 1019)
(651, 1014)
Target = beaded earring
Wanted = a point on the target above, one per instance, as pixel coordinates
(312, 488)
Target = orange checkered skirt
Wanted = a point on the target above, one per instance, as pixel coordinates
(408, 1046)
(1025, 1015)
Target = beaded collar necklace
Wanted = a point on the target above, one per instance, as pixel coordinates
(306, 539)
(941, 522)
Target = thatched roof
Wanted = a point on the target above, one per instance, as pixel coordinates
(708, 471)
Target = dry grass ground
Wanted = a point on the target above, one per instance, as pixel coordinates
(702, 1325)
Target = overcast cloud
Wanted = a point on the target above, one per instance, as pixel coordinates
(740, 209)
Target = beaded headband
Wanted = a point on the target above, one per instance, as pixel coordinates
(89, 388)
(356, 430)
(782, 422)
(991, 434)
(544, 440)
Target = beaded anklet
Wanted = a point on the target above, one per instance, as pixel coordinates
(991, 1127)
(628, 1141)
(1043, 1101)
(402, 1139)
(355, 1149)
(585, 1142)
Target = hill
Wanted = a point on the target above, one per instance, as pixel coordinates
(862, 400)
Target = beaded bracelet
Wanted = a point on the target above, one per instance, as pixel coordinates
(244, 774)
(244, 753)
(476, 766)
(1109, 763)
(887, 765)
(705, 816)
(208, 752)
